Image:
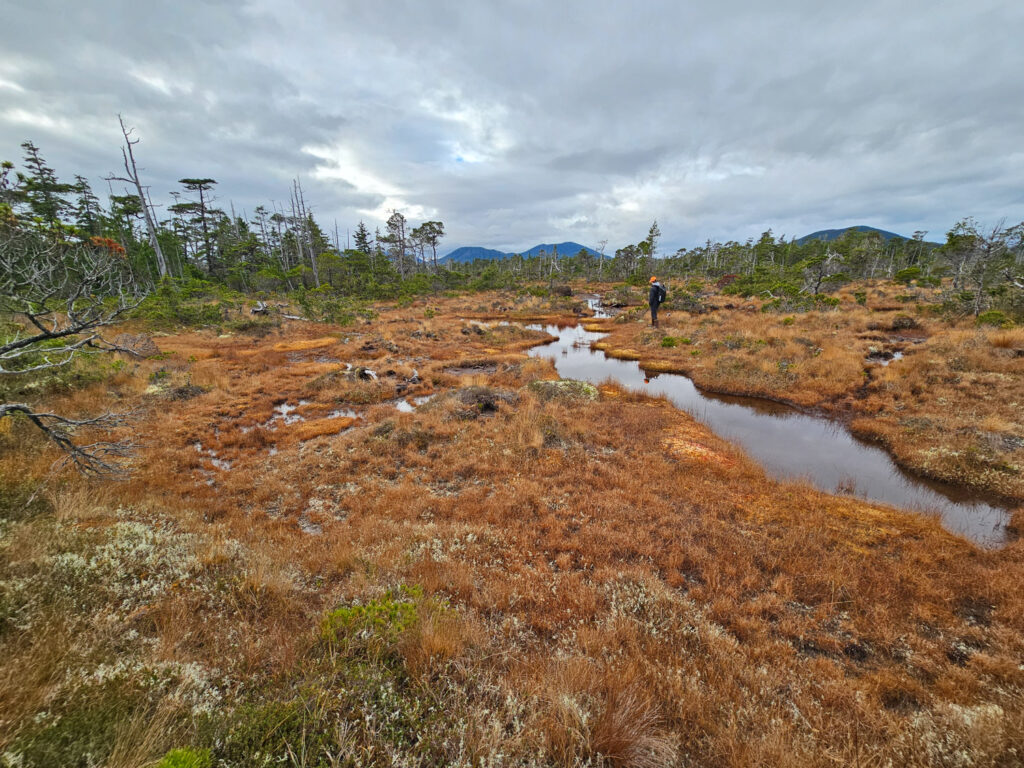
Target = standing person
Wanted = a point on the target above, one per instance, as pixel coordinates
(655, 298)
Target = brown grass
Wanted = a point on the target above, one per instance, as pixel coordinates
(602, 581)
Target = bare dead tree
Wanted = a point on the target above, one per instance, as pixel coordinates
(303, 231)
(133, 178)
(62, 296)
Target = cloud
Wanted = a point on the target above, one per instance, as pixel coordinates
(524, 122)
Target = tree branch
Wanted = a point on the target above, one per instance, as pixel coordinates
(91, 459)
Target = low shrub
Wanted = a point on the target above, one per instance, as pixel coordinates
(907, 276)
(375, 627)
(994, 318)
(325, 306)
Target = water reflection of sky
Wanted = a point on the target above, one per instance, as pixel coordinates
(787, 443)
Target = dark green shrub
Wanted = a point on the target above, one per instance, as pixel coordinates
(907, 276)
(995, 318)
(194, 303)
(325, 306)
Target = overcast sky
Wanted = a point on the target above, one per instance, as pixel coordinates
(521, 122)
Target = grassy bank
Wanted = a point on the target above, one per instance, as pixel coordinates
(944, 395)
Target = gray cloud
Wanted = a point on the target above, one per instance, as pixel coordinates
(525, 121)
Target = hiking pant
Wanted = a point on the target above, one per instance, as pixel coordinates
(654, 314)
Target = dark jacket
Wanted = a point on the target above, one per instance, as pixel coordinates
(657, 294)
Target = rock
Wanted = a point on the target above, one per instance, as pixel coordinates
(564, 389)
(364, 374)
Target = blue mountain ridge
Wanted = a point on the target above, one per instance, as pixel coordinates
(472, 253)
(829, 235)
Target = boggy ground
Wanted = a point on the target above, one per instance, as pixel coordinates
(505, 575)
(949, 406)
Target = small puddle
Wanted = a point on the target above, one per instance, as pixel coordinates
(404, 406)
(594, 303)
(883, 358)
(342, 413)
(286, 413)
(222, 464)
(787, 443)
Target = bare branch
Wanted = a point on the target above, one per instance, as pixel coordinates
(63, 294)
(91, 459)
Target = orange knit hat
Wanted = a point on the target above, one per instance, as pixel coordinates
(654, 279)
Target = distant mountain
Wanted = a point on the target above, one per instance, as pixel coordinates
(472, 253)
(564, 249)
(834, 234)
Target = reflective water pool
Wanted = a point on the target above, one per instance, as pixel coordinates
(787, 443)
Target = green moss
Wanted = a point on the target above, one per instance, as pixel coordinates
(186, 758)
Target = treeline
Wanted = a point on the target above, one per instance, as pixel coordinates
(286, 249)
(276, 249)
(978, 269)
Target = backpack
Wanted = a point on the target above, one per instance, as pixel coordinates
(662, 293)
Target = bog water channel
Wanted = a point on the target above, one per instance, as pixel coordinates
(788, 443)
